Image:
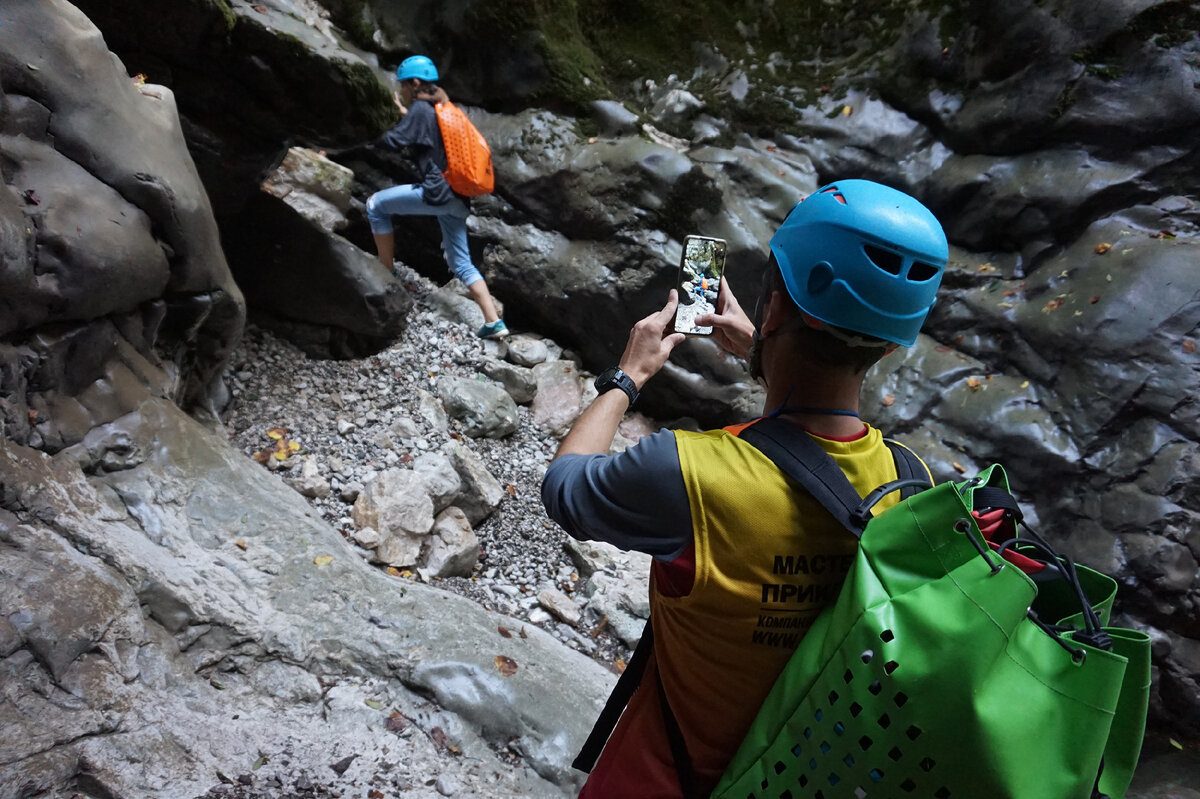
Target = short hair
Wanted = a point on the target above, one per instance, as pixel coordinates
(828, 344)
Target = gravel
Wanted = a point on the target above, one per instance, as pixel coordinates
(359, 417)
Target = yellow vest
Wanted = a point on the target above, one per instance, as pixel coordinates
(769, 558)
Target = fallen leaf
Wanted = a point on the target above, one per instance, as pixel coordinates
(504, 631)
(216, 684)
(323, 560)
(375, 793)
(1103, 248)
(262, 761)
(259, 8)
(438, 736)
(974, 383)
(505, 665)
(600, 625)
(1024, 384)
(523, 634)
(139, 79)
(847, 110)
(396, 723)
(1189, 346)
(240, 544)
(511, 489)
(1054, 304)
(958, 467)
(31, 197)
(262, 457)
(1176, 744)
(406, 573)
(1095, 299)
(276, 433)
(593, 140)
(619, 666)
(986, 268)
(392, 571)
(889, 400)
(293, 446)
(374, 704)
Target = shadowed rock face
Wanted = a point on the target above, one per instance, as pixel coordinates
(113, 271)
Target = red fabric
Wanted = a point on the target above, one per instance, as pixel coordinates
(993, 521)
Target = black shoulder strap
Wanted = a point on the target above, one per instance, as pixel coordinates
(802, 459)
(627, 683)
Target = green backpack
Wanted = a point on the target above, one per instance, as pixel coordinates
(943, 669)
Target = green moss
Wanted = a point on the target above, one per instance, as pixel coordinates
(227, 14)
(353, 17)
(368, 95)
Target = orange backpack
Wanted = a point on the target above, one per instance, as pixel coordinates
(468, 157)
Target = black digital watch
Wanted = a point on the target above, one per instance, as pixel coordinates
(612, 378)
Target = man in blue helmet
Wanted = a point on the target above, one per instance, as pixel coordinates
(418, 135)
(743, 559)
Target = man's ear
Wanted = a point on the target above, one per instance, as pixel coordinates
(778, 311)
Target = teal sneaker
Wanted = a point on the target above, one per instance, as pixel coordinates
(495, 329)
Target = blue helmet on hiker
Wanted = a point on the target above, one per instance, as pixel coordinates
(417, 66)
(864, 257)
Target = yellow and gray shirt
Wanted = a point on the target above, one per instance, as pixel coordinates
(763, 560)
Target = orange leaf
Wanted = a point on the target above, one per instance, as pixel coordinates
(1053, 305)
(958, 467)
(504, 631)
(889, 400)
(506, 665)
(240, 544)
(262, 456)
(1103, 248)
(974, 383)
(1189, 346)
(511, 489)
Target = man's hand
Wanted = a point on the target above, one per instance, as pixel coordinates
(650, 343)
(648, 348)
(399, 103)
(434, 94)
(732, 329)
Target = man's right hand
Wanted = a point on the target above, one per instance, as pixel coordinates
(650, 344)
(732, 329)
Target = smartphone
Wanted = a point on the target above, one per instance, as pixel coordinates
(701, 269)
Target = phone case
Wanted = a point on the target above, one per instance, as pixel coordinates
(701, 269)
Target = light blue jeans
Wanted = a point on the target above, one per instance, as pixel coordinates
(409, 200)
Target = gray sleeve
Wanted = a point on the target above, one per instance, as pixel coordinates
(633, 500)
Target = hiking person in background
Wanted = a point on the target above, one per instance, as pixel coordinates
(418, 135)
(744, 561)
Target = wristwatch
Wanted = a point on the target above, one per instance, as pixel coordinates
(612, 378)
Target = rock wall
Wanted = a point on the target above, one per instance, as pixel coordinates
(1060, 155)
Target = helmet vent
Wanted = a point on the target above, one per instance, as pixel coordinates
(837, 195)
(920, 272)
(889, 262)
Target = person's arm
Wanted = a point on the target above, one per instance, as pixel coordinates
(648, 348)
(732, 329)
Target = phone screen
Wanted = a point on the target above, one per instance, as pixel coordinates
(700, 272)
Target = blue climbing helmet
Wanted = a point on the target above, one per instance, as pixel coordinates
(417, 66)
(863, 257)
